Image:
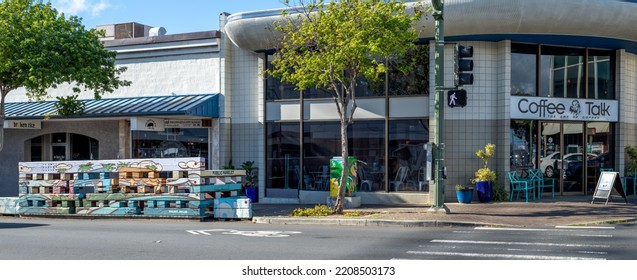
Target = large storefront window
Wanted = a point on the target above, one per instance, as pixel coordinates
(410, 75)
(522, 148)
(283, 156)
(406, 76)
(367, 144)
(365, 141)
(562, 72)
(523, 70)
(321, 142)
(600, 73)
(407, 158)
(171, 143)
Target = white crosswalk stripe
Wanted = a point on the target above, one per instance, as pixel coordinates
(560, 243)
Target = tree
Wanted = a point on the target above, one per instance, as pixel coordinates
(40, 49)
(332, 46)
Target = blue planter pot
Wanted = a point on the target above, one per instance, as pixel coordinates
(485, 190)
(465, 196)
(252, 193)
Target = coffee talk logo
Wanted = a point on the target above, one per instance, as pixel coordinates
(544, 108)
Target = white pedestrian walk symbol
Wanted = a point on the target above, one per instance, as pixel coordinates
(452, 99)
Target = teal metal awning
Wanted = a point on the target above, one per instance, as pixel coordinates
(197, 105)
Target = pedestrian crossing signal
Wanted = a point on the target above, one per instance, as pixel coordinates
(457, 98)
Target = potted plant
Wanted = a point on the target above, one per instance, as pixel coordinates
(249, 186)
(464, 194)
(484, 177)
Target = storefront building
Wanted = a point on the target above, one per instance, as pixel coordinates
(172, 109)
(554, 89)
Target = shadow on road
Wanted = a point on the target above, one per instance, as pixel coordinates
(4, 225)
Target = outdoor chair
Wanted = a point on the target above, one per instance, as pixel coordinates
(520, 185)
(542, 183)
(634, 182)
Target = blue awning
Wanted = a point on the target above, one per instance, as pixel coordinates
(197, 105)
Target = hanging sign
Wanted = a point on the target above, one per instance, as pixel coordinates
(608, 181)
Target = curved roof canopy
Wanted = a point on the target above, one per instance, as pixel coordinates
(607, 24)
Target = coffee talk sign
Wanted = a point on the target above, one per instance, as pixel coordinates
(566, 109)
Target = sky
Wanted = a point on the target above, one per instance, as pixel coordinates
(176, 16)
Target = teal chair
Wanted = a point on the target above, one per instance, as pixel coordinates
(541, 183)
(520, 185)
(634, 179)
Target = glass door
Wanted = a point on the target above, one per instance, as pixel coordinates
(598, 138)
(562, 155)
(574, 162)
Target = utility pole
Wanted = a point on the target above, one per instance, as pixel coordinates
(439, 110)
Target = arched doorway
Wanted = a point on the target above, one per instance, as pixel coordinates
(61, 146)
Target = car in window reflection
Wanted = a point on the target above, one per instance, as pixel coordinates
(574, 168)
(519, 158)
(547, 163)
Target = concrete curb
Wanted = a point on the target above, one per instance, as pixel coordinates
(368, 222)
(406, 223)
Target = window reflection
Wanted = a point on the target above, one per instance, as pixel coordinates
(410, 74)
(406, 76)
(283, 156)
(407, 159)
(600, 82)
(562, 72)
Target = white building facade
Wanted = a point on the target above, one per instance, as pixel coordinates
(553, 80)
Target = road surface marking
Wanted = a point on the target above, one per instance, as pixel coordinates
(517, 243)
(250, 233)
(504, 256)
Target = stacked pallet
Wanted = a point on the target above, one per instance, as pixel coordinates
(130, 188)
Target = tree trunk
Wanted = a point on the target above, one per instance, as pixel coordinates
(338, 206)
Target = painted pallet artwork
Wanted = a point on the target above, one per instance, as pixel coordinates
(11, 205)
(178, 187)
(41, 204)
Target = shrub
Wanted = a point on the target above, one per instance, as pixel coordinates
(318, 210)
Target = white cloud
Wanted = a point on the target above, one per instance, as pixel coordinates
(76, 7)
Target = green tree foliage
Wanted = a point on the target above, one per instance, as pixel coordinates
(332, 45)
(40, 49)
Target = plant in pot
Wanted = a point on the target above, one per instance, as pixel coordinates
(484, 177)
(464, 194)
(249, 186)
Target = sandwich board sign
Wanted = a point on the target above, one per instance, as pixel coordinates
(608, 181)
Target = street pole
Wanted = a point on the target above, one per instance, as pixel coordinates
(438, 205)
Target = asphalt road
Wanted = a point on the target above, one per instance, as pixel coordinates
(80, 239)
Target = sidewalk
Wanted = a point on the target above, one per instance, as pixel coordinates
(563, 211)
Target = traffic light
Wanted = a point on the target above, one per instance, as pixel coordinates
(457, 98)
(463, 65)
